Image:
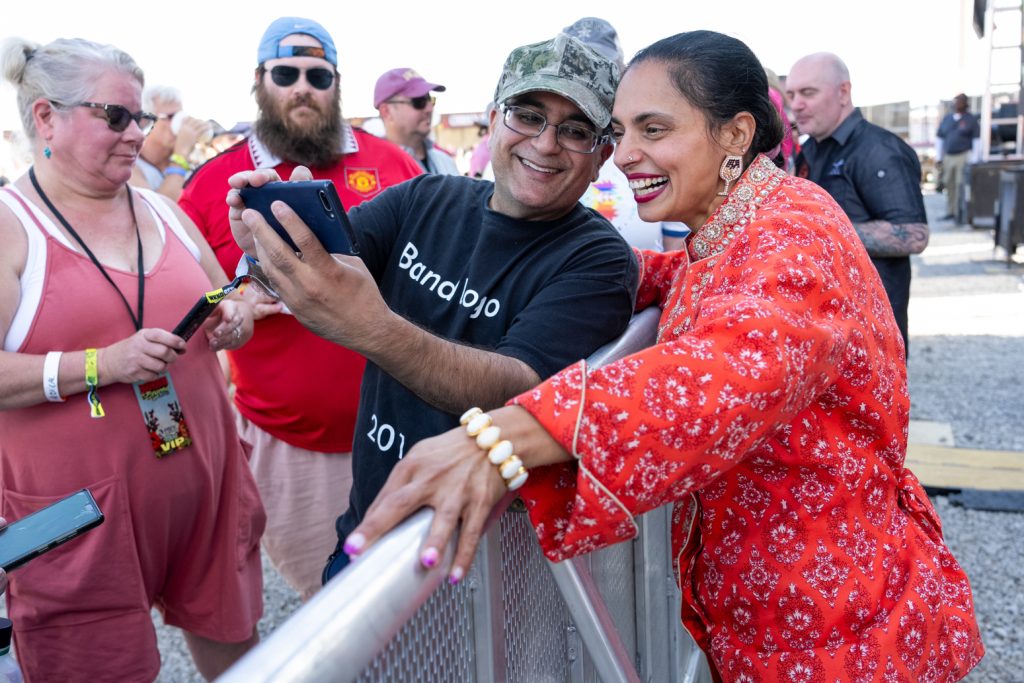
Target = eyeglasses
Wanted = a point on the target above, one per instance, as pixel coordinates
(118, 117)
(415, 102)
(284, 76)
(570, 136)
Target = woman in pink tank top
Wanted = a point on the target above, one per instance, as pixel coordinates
(96, 392)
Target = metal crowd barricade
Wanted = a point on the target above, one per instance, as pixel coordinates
(980, 197)
(1009, 233)
(610, 616)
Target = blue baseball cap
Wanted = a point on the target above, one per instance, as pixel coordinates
(270, 47)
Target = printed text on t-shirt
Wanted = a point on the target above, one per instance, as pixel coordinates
(421, 274)
(383, 435)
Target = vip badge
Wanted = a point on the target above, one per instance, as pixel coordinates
(163, 416)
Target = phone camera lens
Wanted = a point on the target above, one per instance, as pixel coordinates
(326, 202)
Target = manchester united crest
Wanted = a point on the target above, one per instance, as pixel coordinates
(364, 181)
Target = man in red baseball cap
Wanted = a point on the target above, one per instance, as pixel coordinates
(406, 107)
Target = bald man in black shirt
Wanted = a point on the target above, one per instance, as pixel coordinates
(870, 172)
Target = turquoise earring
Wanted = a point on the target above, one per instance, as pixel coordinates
(47, 152)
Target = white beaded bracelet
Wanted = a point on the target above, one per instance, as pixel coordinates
(499, 451)
(51, 372)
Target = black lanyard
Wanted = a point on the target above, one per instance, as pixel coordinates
(137, 320)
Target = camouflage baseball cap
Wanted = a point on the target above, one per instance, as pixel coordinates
(563, 66)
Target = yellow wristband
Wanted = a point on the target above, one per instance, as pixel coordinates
(92, 380)
(181, 161)
(215, 296)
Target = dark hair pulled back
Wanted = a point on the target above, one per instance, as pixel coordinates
(720, 76)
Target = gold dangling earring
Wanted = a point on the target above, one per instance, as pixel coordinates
(731, 169)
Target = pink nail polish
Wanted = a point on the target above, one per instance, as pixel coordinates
(429, 558)
(354, 544)
(455, 576)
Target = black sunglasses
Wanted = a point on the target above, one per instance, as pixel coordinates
(118, 117)
(420, 102)
(319, 78)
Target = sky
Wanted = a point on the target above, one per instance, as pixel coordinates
(896, 49)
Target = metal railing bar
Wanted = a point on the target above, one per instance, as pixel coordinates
(593, 622)
(488, 615)
(340, 630)
(343, 627)
(656, 622)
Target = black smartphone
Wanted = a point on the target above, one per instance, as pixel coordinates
(204, 307)
(316, 203)
(46, 528)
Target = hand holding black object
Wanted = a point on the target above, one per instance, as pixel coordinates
(204, 307)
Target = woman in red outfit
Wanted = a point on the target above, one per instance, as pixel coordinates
(772, 412)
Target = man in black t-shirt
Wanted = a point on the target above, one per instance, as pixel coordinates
(871, 173)
(468, 293)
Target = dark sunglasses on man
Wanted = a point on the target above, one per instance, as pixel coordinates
(420, 102)
(285, 76)
(118, 117)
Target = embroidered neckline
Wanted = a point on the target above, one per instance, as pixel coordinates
(733, 216)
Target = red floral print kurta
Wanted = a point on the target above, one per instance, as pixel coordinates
(773, 414)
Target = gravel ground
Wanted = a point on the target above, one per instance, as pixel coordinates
(960, 373)
(973, 381)
(279, 601)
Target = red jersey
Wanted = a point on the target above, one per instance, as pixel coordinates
(289, 382)
(773, 414)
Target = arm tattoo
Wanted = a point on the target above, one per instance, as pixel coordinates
(882, 238)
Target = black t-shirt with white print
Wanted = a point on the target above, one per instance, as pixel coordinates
(547, 293)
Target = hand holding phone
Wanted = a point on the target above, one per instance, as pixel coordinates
(204, 307)
(32, 535)
(316, 202)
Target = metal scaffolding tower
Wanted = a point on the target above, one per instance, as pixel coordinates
(1003, 28)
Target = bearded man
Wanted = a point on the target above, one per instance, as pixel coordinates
(296, 394)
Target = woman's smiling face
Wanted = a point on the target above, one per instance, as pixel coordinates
(664, 147)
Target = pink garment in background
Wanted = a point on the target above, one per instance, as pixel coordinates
(789, 137)
(481, 157)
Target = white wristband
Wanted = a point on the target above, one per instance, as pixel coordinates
(51, 370)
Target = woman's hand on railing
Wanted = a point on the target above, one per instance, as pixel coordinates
(450, 474)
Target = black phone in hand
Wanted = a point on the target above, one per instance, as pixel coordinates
(315, 202)
(204, 307)
(34, 534)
